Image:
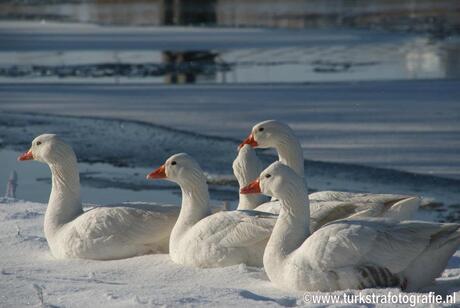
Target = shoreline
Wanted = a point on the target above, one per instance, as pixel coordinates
(136, 137)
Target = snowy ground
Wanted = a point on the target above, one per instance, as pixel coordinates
(27, 269)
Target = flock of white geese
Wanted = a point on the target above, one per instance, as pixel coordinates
(324, 241)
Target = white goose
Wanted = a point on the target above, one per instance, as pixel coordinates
(277, 135)
(348, 254)
(246, 165)
(100, 233)
(203, 240)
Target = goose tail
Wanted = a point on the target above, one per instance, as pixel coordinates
(444, 242)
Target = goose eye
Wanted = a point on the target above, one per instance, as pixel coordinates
(39, 142)
(173, 163)
(268, 176)
(261, 129)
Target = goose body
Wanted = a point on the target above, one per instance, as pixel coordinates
(202, 239)
(224, 239)
(324, 212)
(274, 134)
(101, 233)
(351, 253)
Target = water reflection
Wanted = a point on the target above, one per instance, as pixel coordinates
(181, 12)
(425, 62)
(434, 61)
(416, 58)
(175, 67)
(410, 59)
(187, 66)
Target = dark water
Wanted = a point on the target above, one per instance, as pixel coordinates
(413, 58)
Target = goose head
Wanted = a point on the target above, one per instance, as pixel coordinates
(49, 149)
(268, 134)
(246, 166)
(277, 180)
(180, 168)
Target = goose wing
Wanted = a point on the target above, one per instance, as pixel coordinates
(126, 223)
(236, 228)
(269, 207)
(381, 242)
(394, 206)
(322, 213)
(329, 195)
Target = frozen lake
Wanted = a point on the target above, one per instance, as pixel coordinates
(377, 115)
(33, 52)
(405, 125)
(35, 182)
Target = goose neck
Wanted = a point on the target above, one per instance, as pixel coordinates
(290, 153)
(195, 206)
(291, 228)
(65, 202)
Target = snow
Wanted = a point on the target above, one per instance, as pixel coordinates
(27, 268)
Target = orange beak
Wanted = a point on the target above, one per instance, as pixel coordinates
(160, 173)
(26, 156)
(249, 140)
(252, 188)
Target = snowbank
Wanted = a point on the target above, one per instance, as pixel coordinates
(27, 270)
